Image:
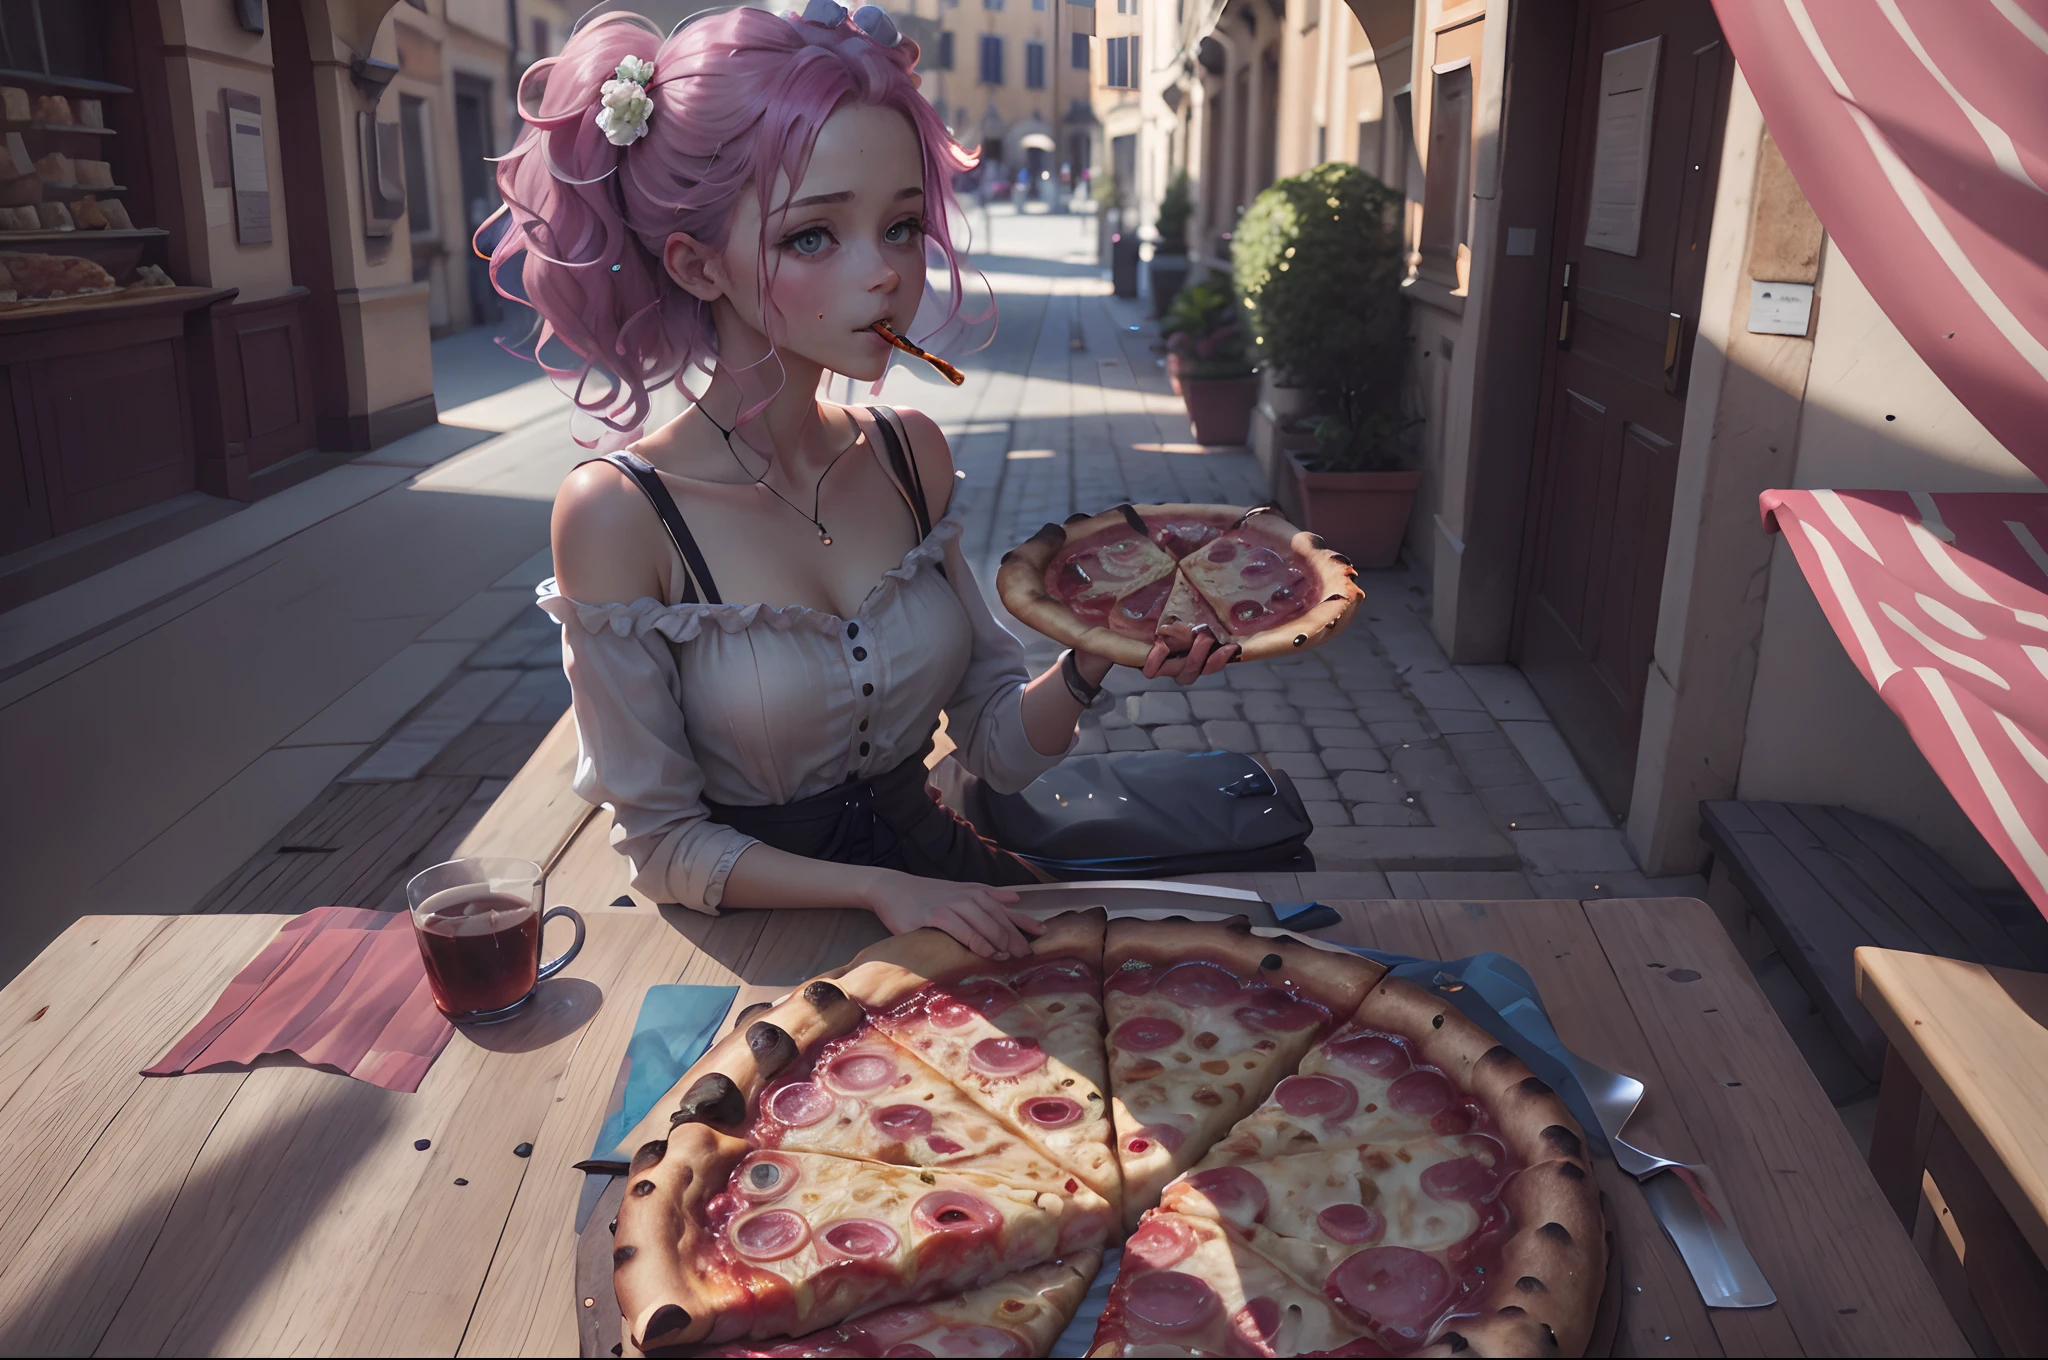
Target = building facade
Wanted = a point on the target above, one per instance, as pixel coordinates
(1599, 418)
(1009, 80)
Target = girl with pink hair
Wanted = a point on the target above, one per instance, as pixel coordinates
(758, 664)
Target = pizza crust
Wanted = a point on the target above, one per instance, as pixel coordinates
(1337, 592)
(672, 1282)
(1021, 583)
(1339, 982)
(1554, 1264)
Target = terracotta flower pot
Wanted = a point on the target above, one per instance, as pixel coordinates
(1175, 364)
(1220, 408)
(1363, 515)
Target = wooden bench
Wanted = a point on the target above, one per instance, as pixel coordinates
(1823, 882)
(1960, 1147)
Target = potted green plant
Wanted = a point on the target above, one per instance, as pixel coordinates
(1170, 251)
(1319, 259)
(1207, 363)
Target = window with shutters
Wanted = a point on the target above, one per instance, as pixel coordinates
(944, 61)
(1120, 63)
(991, 59)
(1034, 65)
(1080, 57)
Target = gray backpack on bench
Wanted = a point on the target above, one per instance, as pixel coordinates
(1141, 814)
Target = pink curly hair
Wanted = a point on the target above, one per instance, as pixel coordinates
(737, 97)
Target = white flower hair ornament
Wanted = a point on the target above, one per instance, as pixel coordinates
(623, 119)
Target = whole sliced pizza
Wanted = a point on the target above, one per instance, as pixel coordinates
(924, 1152)
(1117, 583)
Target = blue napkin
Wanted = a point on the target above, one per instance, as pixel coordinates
(676, 1024)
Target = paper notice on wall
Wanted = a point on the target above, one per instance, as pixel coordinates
(251, 175)
(1621, 146)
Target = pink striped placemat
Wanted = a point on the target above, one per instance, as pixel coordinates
(341, 987)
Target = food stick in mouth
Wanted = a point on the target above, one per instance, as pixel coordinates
(946, 370)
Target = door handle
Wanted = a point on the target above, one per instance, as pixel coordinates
(1674, 348)
(1564, 310)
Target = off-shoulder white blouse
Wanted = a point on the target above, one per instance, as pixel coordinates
(752, 705)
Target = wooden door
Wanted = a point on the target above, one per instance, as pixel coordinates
(1649, 97)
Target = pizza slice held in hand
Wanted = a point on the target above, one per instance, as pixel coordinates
(1117, 583)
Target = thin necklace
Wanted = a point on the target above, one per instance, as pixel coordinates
(817, 491)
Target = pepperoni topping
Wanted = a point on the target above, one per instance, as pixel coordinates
(1269, 1008)
(1166, 1135)
(1328, 1098)
(1401, 1289)
(1423, 1092)
(862, 1237)
(765, 1176)
(1198, 984)
(955, 1211)
(985, 995)
(1170, 1301)
(1007, 1056)
(1222, 550)
(1374, 1053)
(801, 1104)
(1132, 981)
(1454, 1121)
(1071, 581)
(860, 1072)
(1261, 563)
(1352, 1223)
(1258, 1322)
(1182, 538)
(772, 1235)
(1160, 1243)
(1236, 1193)
(945, 1147)
(1061, 975)
(994, 1343)
(902, 1121)
(1466, 1178)
(1144, 1033)
(890, 1325)
(1246, 611)
(1053, 1112)
(1145, 602)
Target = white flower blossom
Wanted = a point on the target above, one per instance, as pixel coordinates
(623, 119)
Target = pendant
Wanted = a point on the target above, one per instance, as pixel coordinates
(824, 538)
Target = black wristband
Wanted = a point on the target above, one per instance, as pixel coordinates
(1083, 692)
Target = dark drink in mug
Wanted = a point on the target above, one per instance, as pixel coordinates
(479, 923)
(482, 948)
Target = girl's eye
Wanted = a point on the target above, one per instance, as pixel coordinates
(903, 232)
(810, 241)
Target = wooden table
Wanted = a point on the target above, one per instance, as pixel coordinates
(1961, 1143)
(287, 1208)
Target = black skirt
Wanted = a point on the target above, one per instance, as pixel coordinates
(891, 821)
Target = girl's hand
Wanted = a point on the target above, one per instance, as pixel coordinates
(1204, 658)
(975, 914)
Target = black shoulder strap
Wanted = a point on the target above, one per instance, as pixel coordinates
(905, 467)
(697, 586)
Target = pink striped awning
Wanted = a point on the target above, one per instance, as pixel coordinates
(1942, 603)
(1919, 131)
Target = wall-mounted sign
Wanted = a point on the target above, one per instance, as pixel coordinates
(1621, 146)
(248, 169)
(1780, 308)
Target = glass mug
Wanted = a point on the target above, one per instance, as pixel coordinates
(479, 924)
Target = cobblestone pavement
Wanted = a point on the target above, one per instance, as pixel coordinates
(1442, 781)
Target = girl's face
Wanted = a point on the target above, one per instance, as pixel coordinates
(844, 248)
